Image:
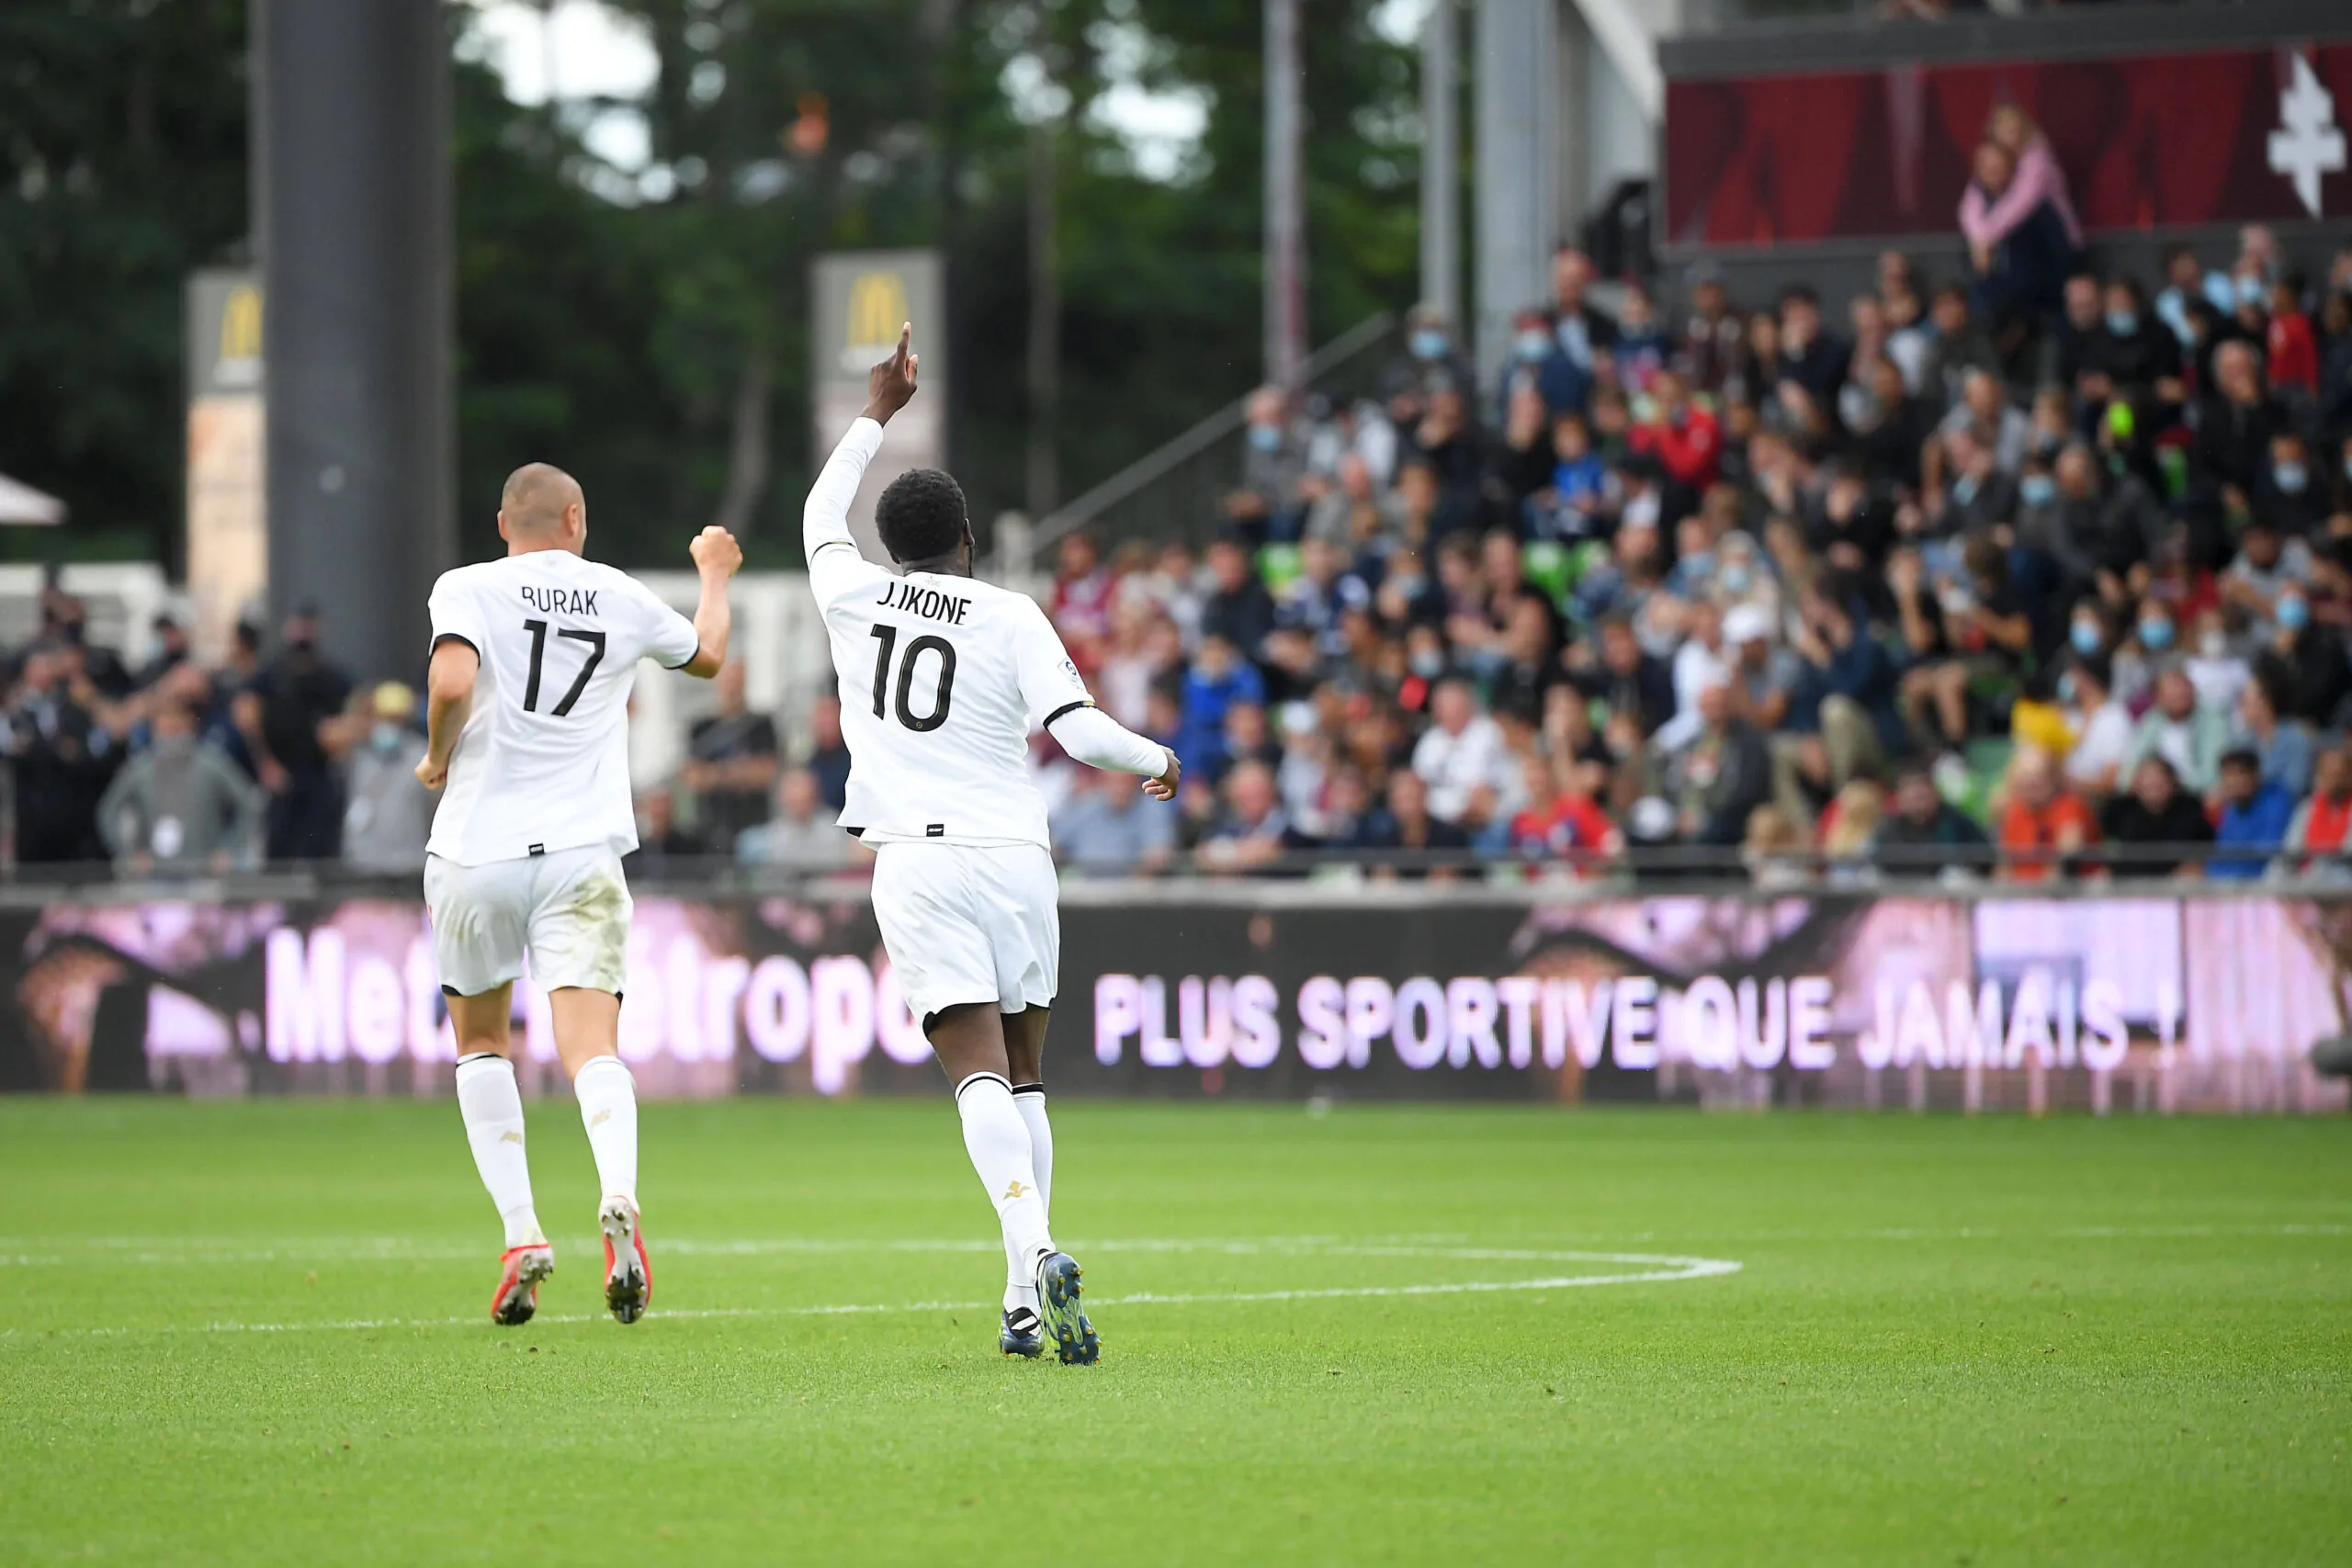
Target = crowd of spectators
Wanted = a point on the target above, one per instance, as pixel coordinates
(2028, 570)
(2030, 567)
(178, 767)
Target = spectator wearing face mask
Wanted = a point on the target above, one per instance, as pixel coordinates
(1539, 365)
(2132, 358)
(2286, 496)
(2218, 663)
(1431, 362)
(2267, 566)
(1267, 500)
(2307, 659)
(391, 814)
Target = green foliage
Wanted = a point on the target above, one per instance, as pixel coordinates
(609, 323)
(122, 166)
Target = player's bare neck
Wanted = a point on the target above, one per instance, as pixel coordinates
(956, 565)
(541, 546)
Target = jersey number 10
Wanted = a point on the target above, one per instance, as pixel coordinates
(940, 696)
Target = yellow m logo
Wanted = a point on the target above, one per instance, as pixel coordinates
(878, 304)
(241, 324)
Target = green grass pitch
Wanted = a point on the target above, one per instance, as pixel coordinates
(256, 1333)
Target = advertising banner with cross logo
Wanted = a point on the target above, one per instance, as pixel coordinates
(2146, 143)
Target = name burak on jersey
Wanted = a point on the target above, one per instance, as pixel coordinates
(560, 601)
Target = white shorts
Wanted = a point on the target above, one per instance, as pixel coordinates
(569, 911)
(966, 924)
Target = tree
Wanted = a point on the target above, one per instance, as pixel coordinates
(648, 328)
(122, 166)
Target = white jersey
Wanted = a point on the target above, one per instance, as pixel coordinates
(542, 764)
(942, 679)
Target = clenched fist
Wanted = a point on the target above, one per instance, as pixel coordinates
(715, 551)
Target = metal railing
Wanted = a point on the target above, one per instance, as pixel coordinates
(2098, 869)
(1176, 491)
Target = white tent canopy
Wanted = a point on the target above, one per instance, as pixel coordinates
(22, 504)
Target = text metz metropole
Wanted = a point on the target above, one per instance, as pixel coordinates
(929, 603)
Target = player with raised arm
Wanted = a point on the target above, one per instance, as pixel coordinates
(528, 718)
(943, 678)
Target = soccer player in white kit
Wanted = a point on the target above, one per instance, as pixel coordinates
(527, 720)
(941, 680)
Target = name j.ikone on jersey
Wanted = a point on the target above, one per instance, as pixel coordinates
(930, 602)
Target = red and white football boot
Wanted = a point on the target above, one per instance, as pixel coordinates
(521, 1269)
(628, 1277)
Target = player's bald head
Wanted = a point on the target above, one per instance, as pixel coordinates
(536, 498)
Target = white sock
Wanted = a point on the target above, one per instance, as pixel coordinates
(997, 1141)
(492, 1109)
(608, 1094)
(1029, 1099)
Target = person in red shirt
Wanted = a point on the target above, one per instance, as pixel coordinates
(2293, 350)
(2316, 835)
(2040, 821)
(1681, 436)
(1081, 607)
(1560, 817)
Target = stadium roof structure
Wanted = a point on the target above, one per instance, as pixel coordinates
(21, 504)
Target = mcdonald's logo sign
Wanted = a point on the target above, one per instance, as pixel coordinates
(241, 324)
(858, 301)
(878, 305)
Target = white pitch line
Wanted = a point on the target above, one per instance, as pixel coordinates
(189, 1251)
(1663, 1269)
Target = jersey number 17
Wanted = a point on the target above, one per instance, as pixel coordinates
(538, 630)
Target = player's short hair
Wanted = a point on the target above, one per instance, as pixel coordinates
(920, 515)
(535, 496)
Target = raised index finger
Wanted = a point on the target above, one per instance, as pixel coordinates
(905, 341)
